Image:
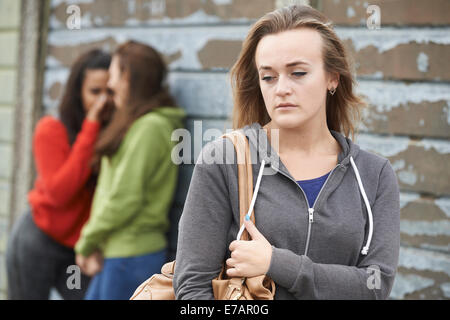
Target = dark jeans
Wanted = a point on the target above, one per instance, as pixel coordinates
(36, 263)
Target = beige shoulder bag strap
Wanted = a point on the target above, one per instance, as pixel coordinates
(245, 179)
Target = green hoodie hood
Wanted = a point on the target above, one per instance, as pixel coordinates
(174, 115)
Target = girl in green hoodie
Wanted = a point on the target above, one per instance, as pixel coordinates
(123, 242)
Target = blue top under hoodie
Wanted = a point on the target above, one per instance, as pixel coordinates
(312, 187)
(345, 246)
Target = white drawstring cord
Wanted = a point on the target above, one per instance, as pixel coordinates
(369, 210)
(252, 204)
(365, 249)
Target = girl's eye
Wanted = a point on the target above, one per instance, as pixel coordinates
(95, 91)
(299, 74)
(267, 78)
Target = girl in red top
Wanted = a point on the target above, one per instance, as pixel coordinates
(40, 248)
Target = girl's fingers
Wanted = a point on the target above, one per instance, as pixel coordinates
(233, 272)
(233, 245)
(101, 101)
(230, 262)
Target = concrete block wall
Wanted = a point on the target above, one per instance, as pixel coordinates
(9, 40)
(402, 69)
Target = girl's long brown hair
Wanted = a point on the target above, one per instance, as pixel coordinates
(146, 71)
(70, 109)
(342, 109)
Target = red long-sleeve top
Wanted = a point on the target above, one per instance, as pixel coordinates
(61, 200)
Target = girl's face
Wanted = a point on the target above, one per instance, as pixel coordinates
(118, 83)
(292, 78)
(94, 85)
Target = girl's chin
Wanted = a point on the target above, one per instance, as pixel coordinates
(288, 121)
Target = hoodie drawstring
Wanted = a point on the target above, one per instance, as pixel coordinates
(252, 204)
(369, 210)
(365, 249)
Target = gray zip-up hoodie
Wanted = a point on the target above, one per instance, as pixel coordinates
(340, 247)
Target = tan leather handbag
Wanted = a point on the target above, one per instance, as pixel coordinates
(160, 286)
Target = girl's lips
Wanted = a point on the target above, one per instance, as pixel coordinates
(286, 107)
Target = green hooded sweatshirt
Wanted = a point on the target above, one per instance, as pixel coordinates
(135, 189)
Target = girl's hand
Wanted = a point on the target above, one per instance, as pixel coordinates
(249, 258)
(90, 265)
(95, 110)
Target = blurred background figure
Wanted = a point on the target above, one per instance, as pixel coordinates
(41, 244)
(137, 180)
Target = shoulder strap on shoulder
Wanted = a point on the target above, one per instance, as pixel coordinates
(245, 175)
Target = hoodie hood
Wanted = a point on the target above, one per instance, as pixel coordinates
(175, 115)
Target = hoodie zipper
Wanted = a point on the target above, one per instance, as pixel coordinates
(310, 209)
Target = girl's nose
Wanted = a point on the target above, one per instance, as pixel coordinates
(283, 86)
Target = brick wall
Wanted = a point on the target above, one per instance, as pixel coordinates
(402, 69)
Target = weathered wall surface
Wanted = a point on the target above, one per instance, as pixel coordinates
(9, 44)
(402, 69)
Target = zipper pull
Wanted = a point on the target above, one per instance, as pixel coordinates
(311, 213)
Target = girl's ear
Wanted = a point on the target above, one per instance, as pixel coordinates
(333, 80)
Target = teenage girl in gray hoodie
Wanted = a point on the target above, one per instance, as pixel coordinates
(327, 213)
